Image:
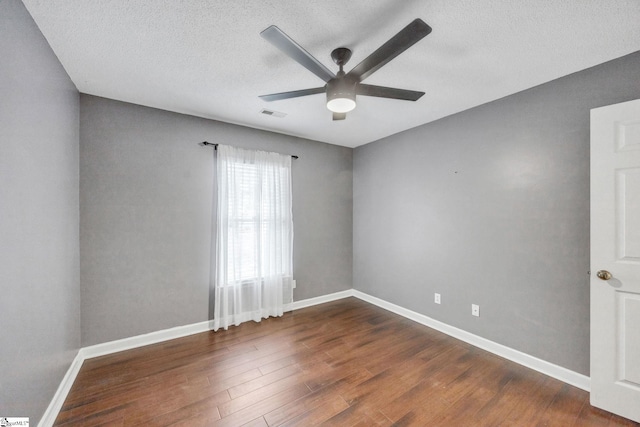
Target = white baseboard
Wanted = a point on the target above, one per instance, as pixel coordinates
(50, 415)
(570, 377)
(142, 340)
(297, 305)
(558, 372)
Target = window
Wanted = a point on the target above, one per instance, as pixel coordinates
(254, 213)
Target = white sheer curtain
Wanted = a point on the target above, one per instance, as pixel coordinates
(254, 254)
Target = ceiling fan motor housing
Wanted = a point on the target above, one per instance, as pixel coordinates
(341, 94)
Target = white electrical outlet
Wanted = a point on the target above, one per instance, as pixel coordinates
(294, 284)
(436, 298)
(475, 310)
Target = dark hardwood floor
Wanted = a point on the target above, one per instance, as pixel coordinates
(345, 363)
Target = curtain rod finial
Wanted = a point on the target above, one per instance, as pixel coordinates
(205, 143)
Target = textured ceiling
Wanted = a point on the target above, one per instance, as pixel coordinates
(206, 58)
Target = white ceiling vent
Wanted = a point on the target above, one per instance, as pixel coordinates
(273, 113)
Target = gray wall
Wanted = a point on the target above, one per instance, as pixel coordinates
(39, 243)
(491, 206)
(146, 197)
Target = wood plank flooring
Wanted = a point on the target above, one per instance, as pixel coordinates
(345, 363)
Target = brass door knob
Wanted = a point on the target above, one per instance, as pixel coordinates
(604, 275)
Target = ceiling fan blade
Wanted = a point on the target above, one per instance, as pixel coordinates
(339, 116)
(388, 92)
(292, 94)
(286, 44)
(407, 37)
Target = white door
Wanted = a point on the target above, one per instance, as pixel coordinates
(615, 259)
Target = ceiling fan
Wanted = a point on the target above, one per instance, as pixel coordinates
(342, 88)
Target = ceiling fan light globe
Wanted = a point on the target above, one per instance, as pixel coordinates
(341, 94)
(341, 105)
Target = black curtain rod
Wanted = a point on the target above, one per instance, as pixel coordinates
(215, 147)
